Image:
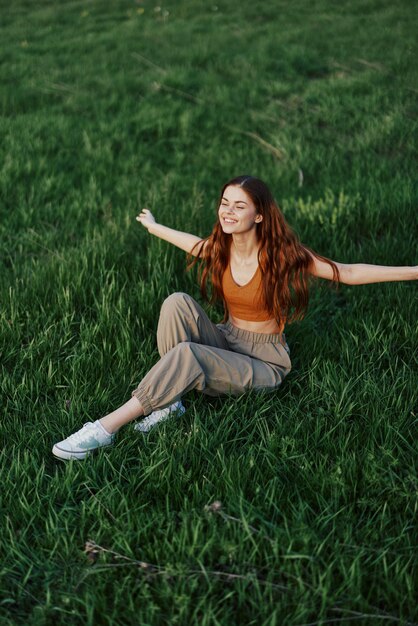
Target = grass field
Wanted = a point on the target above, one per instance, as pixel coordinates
(111, 106)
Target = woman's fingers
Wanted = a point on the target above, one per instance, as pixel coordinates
(145, 217)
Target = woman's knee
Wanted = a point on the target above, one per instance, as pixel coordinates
(174, 323)
(174, 302)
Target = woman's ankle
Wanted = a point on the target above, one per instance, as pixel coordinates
(107, 429)
(121, 416)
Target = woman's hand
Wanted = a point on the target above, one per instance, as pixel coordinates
(182, 240)
(146, 218)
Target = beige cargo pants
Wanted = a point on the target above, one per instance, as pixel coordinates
(213, 358)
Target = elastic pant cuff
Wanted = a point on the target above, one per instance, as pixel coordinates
(140, 395)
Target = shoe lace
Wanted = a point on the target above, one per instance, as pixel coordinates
(81, 434)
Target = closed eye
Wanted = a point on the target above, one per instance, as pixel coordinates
(238, 207)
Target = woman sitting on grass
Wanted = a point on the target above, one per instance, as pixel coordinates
(260, 271)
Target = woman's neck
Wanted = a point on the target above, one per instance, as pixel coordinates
(244, 249)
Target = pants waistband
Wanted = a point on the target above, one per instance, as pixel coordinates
(250, 336)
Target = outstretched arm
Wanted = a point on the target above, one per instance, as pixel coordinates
(185, 241)
(363, 274)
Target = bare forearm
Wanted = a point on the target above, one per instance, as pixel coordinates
(362, 274)
(185, 241)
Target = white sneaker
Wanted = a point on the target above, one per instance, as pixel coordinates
(159, 416)
(83, 442)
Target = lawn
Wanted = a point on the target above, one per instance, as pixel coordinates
(292, 508)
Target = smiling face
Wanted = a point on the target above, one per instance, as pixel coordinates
(237, 212)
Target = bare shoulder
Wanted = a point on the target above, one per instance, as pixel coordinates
(199, 246)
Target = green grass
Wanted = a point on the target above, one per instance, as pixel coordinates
(106, 109)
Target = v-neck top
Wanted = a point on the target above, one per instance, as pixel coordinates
(245, 301)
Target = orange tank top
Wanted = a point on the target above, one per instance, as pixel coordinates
(245, 301)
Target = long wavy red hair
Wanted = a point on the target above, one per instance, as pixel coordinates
(284, 261)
